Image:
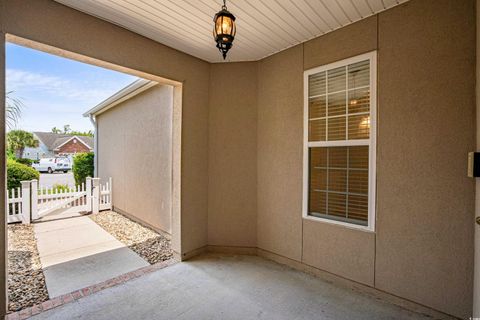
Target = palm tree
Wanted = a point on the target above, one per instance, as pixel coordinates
(18, 140)
(13, 110)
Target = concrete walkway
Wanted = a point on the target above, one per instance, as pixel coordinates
(229, 287)
(76, 253)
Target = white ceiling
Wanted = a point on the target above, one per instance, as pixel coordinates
(264, 27)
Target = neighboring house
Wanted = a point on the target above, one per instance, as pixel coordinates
(54, 144)
(134, 132)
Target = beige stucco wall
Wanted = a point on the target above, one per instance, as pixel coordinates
(3, 234)
(426, 127)
(476, 293)
(349, 41)
(137, 155)
(423, 246)
(279, 149)
(232, 155)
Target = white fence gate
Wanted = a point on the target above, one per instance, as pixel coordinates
(32, 202)
(105, 201)
(18, 204)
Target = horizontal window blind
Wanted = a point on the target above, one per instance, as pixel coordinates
(338, 142)
(339, 183)
(339, 103)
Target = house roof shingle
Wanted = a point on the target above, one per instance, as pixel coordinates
(54, 140)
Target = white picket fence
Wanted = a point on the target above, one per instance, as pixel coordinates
(31, 202)
(18, 204)
(105, 201)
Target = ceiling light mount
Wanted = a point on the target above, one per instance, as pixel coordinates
(224, 30)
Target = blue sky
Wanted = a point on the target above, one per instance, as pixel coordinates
(57, 91)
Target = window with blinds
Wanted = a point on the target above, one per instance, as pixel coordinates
(339, 141)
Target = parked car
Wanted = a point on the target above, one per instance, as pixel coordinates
(51, 165)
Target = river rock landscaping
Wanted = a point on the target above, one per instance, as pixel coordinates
(150, 245)
(26, 281)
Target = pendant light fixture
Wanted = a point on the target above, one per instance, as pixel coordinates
(224, 30)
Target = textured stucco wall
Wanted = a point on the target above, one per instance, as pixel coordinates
(135, 149)
(232, 155)
(3, 234)
(423, 246)
(346, 42)
(426, 126)
(476, 293)
(280, 150)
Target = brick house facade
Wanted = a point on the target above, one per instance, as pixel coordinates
(72, 146)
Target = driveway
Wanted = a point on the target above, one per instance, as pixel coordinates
(50, 179)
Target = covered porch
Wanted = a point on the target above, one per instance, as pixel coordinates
(318, 172)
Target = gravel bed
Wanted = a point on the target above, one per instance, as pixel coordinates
(26, 282)
(150, 245)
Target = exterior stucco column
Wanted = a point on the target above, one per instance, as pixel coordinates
(3, 234)
(476, 281)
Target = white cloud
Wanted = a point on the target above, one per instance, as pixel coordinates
(57, 99)
(19, 79)
(85, 92)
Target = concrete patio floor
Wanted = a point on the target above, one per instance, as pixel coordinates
(76, 253)
(229, 287)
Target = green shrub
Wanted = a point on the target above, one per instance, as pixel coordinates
(25, 161)
(57, 188)
(62, 188)
(10, 154)
(82, 167)
(17, 172)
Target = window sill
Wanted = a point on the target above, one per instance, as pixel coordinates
(347, 225)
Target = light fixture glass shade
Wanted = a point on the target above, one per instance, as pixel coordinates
(224, 25)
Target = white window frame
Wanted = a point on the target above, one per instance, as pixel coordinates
(371, 142)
